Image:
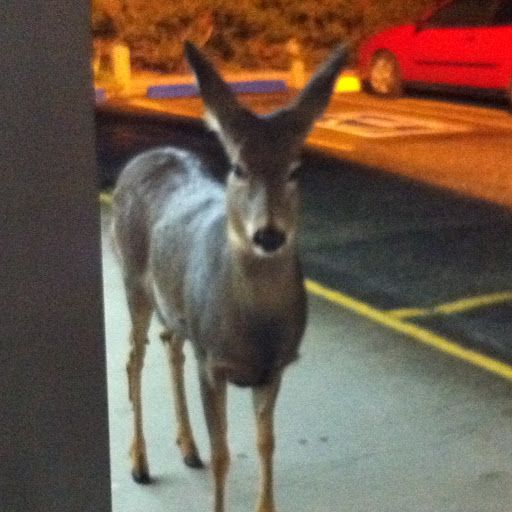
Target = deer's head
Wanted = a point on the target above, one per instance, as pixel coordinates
(264, 152)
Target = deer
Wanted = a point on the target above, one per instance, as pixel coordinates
(217, 262)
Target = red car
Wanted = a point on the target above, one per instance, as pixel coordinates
(464, 43)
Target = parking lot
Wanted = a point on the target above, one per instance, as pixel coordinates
(420, 254)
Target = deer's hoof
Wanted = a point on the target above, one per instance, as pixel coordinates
(140, 468)
(141, 476)
(192, 460)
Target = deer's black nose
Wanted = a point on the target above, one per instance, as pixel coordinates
(269, 239)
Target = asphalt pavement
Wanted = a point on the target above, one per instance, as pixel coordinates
(407, 249)
(462, 147)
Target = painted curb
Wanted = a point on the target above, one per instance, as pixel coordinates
(241, 87)
(100, 95)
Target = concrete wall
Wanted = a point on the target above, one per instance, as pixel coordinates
(53, 411)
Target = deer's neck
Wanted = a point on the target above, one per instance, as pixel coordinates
(267, 284)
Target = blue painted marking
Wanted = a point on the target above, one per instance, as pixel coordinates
(171, 91)
(100, 95)
(243, 87)
(258, 86)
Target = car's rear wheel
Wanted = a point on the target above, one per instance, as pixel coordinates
(384, 77)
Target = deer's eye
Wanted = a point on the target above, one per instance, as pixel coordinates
(239, 172)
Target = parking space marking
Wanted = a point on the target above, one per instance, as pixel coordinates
(375, 125)
(454, 307)
(411, 330)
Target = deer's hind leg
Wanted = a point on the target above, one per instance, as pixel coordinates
(184, 439)
(140, 311)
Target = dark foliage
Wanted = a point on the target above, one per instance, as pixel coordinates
(246, 33)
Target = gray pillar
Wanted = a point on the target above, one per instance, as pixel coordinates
(53, 410)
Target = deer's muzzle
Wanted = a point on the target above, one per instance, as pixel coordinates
(269, 239)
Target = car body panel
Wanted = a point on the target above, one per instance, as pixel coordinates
(460, 56)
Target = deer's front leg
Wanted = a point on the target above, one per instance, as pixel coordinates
(213, 394)
(264, 400)
(140, 310)
(185, 438)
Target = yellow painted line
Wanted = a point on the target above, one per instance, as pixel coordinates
(409, 312)
(474, 302)
(348, 83)
(457, 306)
(420, 334)
(105, 198)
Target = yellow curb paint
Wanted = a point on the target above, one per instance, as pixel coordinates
(457, 306)
(105, 198)
(348, 83)
(418, 333)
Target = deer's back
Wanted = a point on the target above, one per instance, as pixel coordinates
(165, 183)
(170, 230)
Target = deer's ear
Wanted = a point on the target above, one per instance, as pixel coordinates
(223, 112)
(313, 100)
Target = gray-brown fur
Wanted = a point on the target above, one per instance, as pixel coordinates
(218, 262)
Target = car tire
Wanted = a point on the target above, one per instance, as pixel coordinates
(384, 77)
